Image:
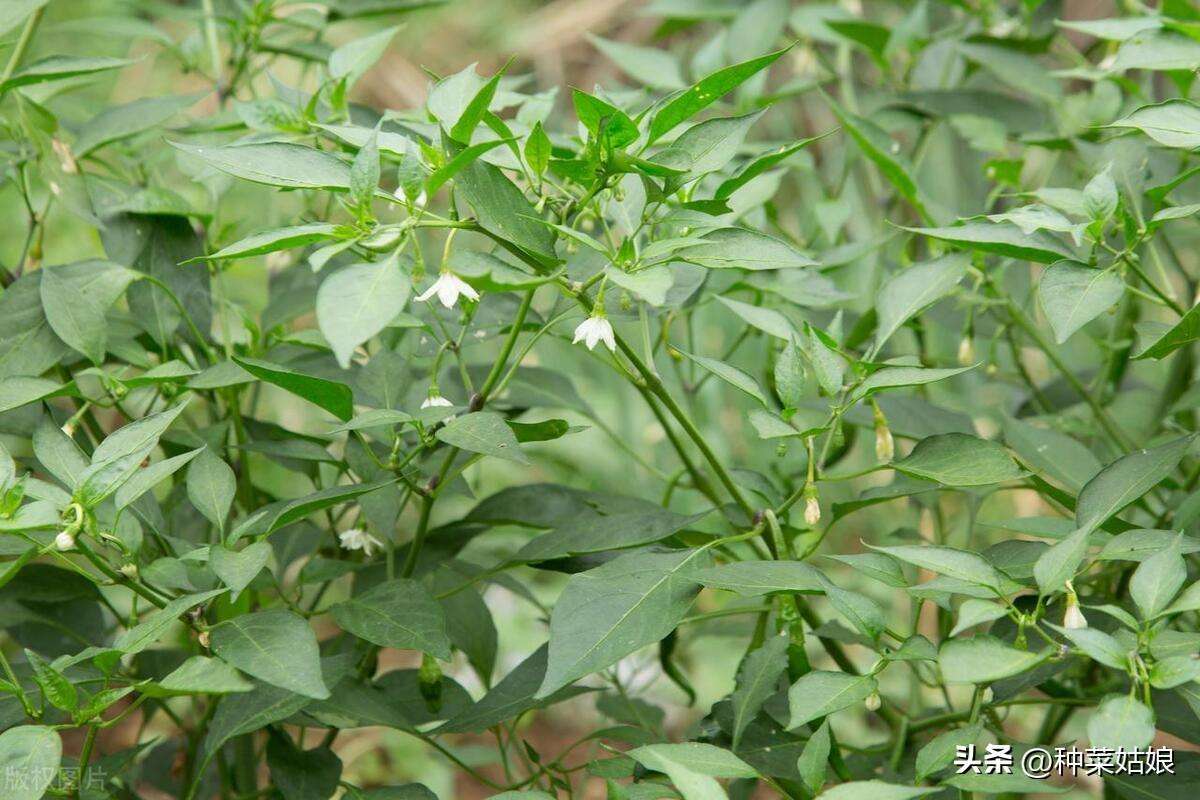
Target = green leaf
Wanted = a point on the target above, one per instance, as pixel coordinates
(199, 675)
(352, 59)
(334, 397)
(594, 533)
(274, 646)
(648, 65)
(1158, 50)
(959, 564)
(1098, 646)
(731, 375)
(475, 110)
(859, 610)
(121, 122)
(1157, 580)
(1167, 340)
(1174, 123)
(1121, 722)
(28, 345)
(757, 678)
(455, 165)
(707, 146)
(288, 166)
(693, 767)
(760, 165)
(875, 790)
(820, 693)
(237, 568)
(1125, 480)
(1056, 454)
(502, 209)
(1072, 295)
(739, 248)
(608, 612)
(302, 774)
(957, 459)
(510, 698)
(399, 614)
(756, 578)
(983, 659)
(357, 302)
(280, 239)
(940, 751)
(57, 68)
(895, 377)
(1058, 564)
(21, 390)
(210, 487)
(136, 639)
(812, 761)
(1003, 239)
(146, 479)
(284, 512)
(76, 298)
(974, 612)
(538, 149)
(58, 691)
(15, 12)
(483, 432)
(686, 104)
(907, 293)
(883, 152)
(31, 754)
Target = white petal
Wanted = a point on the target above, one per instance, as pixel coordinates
(606, 334)
(582, 330)
(447, 292)
(465, 289)
(428, 293)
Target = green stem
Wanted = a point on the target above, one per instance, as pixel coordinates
(22, 45)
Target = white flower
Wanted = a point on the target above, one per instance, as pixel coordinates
(358, 539)
(448, 287)
(64, 541)
(873, 701)
(966, 351)
(436, 401)
(593, 330)
(885, 446)
(1073, 618)
(812, 511)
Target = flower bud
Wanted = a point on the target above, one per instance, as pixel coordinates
(966, 351)
(988, 695)
(66, 160)
(873, 701)
(129, 570)
(204, 639)
(1073, 618)
(885, 446)
(812, 507)
(65, 541)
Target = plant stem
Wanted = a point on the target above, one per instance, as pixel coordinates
(18, 53)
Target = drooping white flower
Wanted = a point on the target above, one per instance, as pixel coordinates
(812, 511)
(595, 329)
(448, 287)
(966, 351)
(885, 445)
(359, 539)
(64, 541)
(435, 400)
(1073, 617)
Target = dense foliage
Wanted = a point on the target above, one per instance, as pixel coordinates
(836, 359)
